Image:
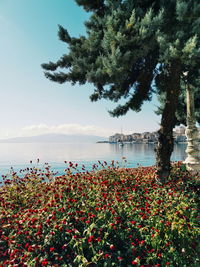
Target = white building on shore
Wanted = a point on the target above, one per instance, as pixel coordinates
(149, 137)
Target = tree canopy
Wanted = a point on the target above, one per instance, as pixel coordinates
(125, 42)
(112, 56)
(129, 47)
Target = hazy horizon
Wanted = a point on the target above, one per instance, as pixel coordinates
(57, 134)
(54, 137)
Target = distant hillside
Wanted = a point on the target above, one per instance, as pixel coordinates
(55, 138)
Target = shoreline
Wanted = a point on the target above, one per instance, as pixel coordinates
(138, 142)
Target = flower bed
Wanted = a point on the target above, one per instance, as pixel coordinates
(112, 217)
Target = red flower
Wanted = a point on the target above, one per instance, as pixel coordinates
(134, 262)
(30, 249)
(52, 249)
(44, 262)
(112, 247)
(90, 239)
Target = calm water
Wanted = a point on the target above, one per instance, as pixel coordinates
(18, 155)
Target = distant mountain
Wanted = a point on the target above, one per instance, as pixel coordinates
(55, 138)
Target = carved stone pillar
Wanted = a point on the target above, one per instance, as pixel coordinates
(192, 161)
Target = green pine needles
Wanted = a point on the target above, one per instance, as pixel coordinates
(129, 46)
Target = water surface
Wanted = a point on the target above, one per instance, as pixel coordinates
(19, 155)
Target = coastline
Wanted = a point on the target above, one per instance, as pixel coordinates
(140, 142)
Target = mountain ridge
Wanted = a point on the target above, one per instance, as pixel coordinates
(54, 138)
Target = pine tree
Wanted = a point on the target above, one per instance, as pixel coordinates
(129, 45)
(181, 46)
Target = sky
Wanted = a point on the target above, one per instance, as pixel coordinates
(30, 104)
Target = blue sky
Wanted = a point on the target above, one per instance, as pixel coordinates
(31, 104)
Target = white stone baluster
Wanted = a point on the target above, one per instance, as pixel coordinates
(192, 160)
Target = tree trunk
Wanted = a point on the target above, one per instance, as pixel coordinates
(165, 138)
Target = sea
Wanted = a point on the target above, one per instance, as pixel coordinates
(17, 156)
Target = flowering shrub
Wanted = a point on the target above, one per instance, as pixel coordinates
(111, 217)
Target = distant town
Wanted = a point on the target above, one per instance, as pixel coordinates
(147, 137)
